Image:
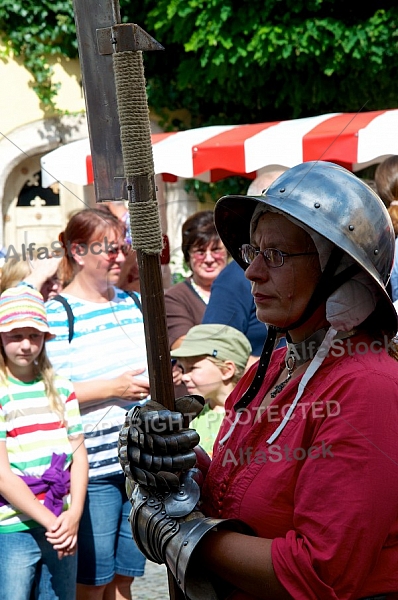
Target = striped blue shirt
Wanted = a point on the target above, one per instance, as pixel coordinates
(108, 341)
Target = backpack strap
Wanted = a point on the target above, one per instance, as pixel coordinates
(70, 315)
(134, 297)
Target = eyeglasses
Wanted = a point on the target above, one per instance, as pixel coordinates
(217, 253)
(113, 251)
(274, 258)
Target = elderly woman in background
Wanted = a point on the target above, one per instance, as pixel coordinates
(206, 256)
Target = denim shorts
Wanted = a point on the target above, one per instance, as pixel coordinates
(105, 545)
(30, 568)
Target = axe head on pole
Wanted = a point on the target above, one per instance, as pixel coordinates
(98, 35)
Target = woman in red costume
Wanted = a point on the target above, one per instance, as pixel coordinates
(301, 498)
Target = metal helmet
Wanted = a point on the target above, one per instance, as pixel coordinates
(333, 202)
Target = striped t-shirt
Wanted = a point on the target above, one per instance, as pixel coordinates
(108, 341)
(32, 434)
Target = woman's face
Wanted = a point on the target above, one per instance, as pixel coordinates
(103, 256)
(206, 262)
(281, 294)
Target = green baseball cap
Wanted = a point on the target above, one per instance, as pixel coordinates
(216, 340)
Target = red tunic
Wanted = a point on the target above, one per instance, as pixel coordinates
(326, 490)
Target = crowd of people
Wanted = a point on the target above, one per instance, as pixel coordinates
(276, 284)
(91, 336)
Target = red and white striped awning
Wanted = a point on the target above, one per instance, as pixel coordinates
(354, 140)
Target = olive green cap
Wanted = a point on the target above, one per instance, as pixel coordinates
(216, 340)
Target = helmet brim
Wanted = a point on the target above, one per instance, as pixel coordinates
(332, 202)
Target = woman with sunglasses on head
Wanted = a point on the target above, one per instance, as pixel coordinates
(105, 357)
(301, 497)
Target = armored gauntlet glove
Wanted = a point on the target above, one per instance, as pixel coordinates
(156, 444)
(173, 540)
(158, 453)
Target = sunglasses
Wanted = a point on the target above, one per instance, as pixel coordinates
(217, 253)
(113, 251)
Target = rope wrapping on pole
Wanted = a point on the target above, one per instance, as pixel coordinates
(119, 128)
(135, 137)
(136, 144)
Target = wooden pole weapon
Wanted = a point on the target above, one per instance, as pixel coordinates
(118, 119)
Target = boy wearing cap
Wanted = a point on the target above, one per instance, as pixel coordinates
(213, 358)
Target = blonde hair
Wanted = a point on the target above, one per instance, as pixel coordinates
(43, 369)
(222, 366)
(13, 272)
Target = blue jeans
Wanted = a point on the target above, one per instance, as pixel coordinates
(28, 561)
(105, 544)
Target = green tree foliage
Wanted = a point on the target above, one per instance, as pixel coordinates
(36, 30)
(235, 61)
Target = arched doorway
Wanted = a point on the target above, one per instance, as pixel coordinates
(32, 214)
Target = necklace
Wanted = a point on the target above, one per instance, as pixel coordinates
(290, 363)
(300, 353)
